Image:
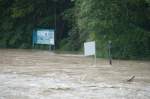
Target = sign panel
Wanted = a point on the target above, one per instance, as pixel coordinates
(44, 36)
(89, 48)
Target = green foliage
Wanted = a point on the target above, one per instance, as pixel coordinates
(124, 22)
(21, 8)
(20, 17)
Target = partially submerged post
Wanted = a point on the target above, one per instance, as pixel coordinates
(109, 52)
(34, 37)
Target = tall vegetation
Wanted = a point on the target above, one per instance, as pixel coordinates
(19, 18)
(125, 22)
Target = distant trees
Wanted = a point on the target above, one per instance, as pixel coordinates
(125, 22)
(20, 17)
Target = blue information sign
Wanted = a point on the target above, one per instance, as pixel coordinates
(43, 36)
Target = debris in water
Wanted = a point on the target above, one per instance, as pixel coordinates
(131, 79)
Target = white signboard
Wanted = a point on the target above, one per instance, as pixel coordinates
(89, 48)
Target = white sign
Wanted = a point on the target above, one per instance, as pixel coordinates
(89, 48)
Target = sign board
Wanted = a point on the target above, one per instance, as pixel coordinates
(44, 36)
(89, 48)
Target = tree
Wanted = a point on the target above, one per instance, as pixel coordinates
(20, 17)
(125, 22)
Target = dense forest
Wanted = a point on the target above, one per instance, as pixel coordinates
(126, 23)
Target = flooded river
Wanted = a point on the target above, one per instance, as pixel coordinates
(32, 74)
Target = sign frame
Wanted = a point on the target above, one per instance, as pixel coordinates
(43, 36)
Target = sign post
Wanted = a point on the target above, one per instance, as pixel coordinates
(109, 51)
(90, 49)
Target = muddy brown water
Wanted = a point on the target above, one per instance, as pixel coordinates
(34, 74)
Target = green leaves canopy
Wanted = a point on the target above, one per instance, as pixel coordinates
(125, 22)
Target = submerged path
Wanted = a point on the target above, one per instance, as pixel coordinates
(32, 74)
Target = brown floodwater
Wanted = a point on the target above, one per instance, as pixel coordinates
(36, 74)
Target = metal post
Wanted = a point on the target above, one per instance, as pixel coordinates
(55, 17)
(33, 38)
(95, 55)
(109, 51)
(50, 48)
(95, 59)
